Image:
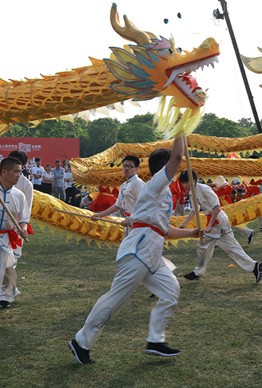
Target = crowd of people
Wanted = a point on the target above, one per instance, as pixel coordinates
(57, 181)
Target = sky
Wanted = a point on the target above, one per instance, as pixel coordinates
(49, 36)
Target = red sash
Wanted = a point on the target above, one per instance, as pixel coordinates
(145, 225)
(208, 219)
(30, 230)
(14, 238)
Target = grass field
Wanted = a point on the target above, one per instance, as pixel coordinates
(217, 324)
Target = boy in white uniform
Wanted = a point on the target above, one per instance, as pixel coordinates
(129, 190)
(139, 261)
(10, 242)
(217, 232)
(26, 186)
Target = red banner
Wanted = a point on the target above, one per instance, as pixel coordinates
(47, 149)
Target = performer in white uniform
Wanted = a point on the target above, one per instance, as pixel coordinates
(10, 242)
(26, 186)
(217, 232)
(139, 261)
(128, 192)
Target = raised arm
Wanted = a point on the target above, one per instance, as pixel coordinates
(176, 157)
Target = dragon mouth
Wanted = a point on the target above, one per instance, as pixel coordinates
(182, 79)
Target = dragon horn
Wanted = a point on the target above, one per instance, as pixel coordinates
(129, 31)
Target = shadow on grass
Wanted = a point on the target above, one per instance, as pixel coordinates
(73, 374)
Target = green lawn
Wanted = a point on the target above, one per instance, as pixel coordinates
(217, 324)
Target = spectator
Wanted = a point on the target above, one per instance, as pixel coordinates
(70, 188)
(47, 180)
(59, 180)
(37, 174)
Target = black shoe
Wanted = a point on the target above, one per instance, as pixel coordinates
(251, 237)
(191, 276)
(4, 304)
(258, 271)
(160, 349)
(82, 355)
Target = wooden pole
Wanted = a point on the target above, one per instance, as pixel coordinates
(192, 187)
(12, 218)
(87, 216)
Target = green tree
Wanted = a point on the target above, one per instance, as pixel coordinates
(248, 123)
(139, 129)
(102, 134)
(211, 125)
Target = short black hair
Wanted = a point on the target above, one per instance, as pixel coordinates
(158, 159)
(20, 155)
(37, 160)
(8, 164)
(184, 178)
(133, 159)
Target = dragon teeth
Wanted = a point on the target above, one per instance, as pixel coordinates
(190, 68)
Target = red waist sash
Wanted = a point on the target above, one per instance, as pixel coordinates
(30, 230)
(145, 225)
(14, 238)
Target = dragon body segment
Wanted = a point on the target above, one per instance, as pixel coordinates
(52, 96)
(46, 211)
(144, 71)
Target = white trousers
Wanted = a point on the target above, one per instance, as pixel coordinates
(8, 277)
(230, 245)
(246, 231)
(130, 274)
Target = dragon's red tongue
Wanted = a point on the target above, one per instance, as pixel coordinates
(189, 80)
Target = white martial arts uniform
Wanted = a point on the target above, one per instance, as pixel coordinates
(16, 202)
(221, 234)
(127, 197)
(26, 186)
(139, 261)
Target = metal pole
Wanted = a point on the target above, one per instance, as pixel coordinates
(240, 63)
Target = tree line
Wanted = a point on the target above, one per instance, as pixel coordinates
(98, 135)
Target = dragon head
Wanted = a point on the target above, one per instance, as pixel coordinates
(154, 67)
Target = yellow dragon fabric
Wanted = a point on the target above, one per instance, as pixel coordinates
(151, 68)
(47, 209)
(104, 168)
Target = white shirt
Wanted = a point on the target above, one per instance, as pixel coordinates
(128, 194)
(208, 200)
(206, 197)
(68, 175)
(25, 185)
(39, 171)
(154, 206)
(16, 202)
(49, 177)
